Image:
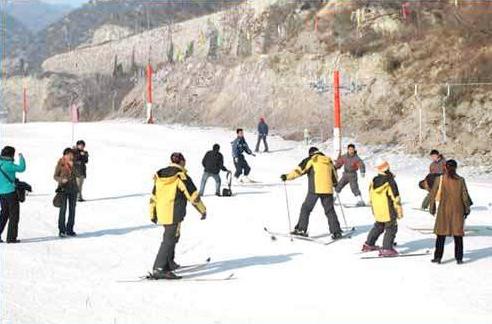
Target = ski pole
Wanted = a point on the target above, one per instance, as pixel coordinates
(287, 203)
(341, 208)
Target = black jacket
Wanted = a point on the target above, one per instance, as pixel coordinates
(213, 162)
(80, 162)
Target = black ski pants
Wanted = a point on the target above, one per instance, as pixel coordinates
(261, 137)
(10, 213)
(242, 166)
(389, 228)
(70, 199)
(308, 206)
(165, 256)
(458, 247)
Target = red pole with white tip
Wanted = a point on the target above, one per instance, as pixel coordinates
(150, 118)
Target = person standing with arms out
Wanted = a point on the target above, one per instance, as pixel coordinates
(436, 169)
(239, 147)
(67, 186)
(213, 162)
(322, 177)
(8, 197)
(172, 189)
(449, 190)
(262, 135)
(351, 163)
(386, 208)
(80, 165)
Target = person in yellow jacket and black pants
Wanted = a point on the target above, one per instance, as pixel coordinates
(386, 208)
(173, 188)
(322, 178)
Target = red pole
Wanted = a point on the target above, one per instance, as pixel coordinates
(150, 118)
(337, 124)
(24, 106)
(149, 83)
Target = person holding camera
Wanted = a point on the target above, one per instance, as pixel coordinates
(8, 193)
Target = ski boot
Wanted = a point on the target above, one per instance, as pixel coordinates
(158, 274)
(388, 253)
(336, 236)
(436, 260)
(174, 266)
(299, 232)
(459, 261)
(369, 248)
(360, 202)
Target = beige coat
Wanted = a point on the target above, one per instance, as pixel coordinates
(454, 204)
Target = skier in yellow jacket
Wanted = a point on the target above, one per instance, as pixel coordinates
(172, 189)
(386, 207)
(322, 178)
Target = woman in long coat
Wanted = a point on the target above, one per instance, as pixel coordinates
(449, 191)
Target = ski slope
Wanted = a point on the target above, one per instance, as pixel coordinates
(48, 280)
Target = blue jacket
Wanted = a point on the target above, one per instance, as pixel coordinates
(239, 146)
(10, 169)
(262, 128)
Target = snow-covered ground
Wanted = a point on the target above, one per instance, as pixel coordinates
(48, 280)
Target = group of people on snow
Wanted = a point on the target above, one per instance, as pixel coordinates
(447, 197)
(70, 172)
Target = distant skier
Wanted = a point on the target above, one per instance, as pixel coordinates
(172, 189)
(239, 147)
(80, 161)
(262, 135)
(454, 207)
(213, 162)
(322, 177)
(67, 186)
(386, 208)
(351, 163)
(8, 195)
(436, 169)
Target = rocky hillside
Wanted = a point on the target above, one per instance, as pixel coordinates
(79, 26)
(276, 58)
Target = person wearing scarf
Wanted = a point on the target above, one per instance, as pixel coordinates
(67, 186)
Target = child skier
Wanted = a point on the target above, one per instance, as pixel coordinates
(351, 162)
(386, 207)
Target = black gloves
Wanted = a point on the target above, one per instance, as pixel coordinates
(283, 177)
(204, 216)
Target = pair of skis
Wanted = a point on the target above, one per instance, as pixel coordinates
(319, 239)
(188, 273)
(399, 255)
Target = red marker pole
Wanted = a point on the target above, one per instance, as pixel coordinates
(150, 118)
(24, 105)
(337, 124)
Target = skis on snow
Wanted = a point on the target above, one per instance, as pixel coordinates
(400, 255)
(187, 273)
(319, 239)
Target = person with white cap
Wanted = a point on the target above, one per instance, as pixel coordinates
(386, 208)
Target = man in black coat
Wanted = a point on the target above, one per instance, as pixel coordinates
(213, 162)
(81, 158)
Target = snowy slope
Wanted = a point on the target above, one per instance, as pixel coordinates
(48, 280)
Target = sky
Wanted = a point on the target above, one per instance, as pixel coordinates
(74, 3)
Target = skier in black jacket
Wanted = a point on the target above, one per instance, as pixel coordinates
(213, 162)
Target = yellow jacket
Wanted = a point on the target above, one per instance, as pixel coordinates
(385, 198)
(322, 176)
(172, 189)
